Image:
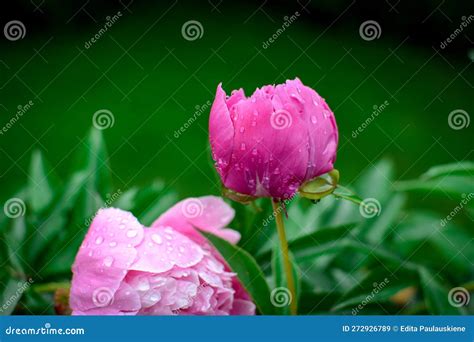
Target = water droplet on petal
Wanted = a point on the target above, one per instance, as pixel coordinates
(108, 261)
(113, 244)
(314, 119)
(132, 233)
(99, 240)
(242, 147)
(242, 130)
(157, 239)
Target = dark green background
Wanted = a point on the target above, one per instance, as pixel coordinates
(151, 79)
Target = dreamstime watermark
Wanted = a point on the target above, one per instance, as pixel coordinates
(103, 119)
(45, 330)
(108, 202)
(288, 20)
(192, 208)
(13, 299)
(192, 30)
(370, 207)
(14, 30)
(280, 297)
(377, 110)
(21, 110)
(459, 296)
(110, 21)
(280, 208)
(281, 119)
(199, 110)
(14, 207)
(377, 287)
(102, 297)
(370, 30)
(459, 119)
(465, 200)
(465, 23)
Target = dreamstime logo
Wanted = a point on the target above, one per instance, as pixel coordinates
(281, 119)
(377, 287)
(22, 110)
(110, 21)
(103, 119)
(458, 119)
(466, 198)
(375, 113)
(102, 297)
(14, 30)
(458, 31)
(21, 288)
(458, 296)
(370, 207)
(14, 207)
(199, 110)
(286, 24)
(280, 297)
(192, 208)
(192, 30)
(370, 30)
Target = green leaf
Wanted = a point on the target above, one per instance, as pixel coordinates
(153, 201)
(378, 285)
(93, 158)
(12, 278)
(310, 243)
(462, 168)
(451, 185)
(436, 295)
(42, 183)
(248, 272)
(377, 229)
(377, 181)
(55, 223)
(280, 281)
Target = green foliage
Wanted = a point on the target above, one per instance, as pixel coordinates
(402, 259)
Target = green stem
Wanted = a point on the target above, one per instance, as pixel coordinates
(277, 210)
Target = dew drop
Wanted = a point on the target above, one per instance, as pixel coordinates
(157, 239)
(122, 226)
(314, 119)
(113, 244)
(242, 130)
(108, 261)
(242, 147)
(132, 233)
(99, 240)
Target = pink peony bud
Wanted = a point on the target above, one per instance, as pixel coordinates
(269, 144)
(123, 268)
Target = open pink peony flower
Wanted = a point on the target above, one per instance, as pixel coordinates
(123, 268)
(267, 145)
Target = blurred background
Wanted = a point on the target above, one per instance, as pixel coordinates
(153, 76)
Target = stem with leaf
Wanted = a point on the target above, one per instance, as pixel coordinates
(277, 210)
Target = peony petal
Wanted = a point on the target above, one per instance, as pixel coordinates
(164, 248)
(221, 131)
(208, 213)
(105, 255)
